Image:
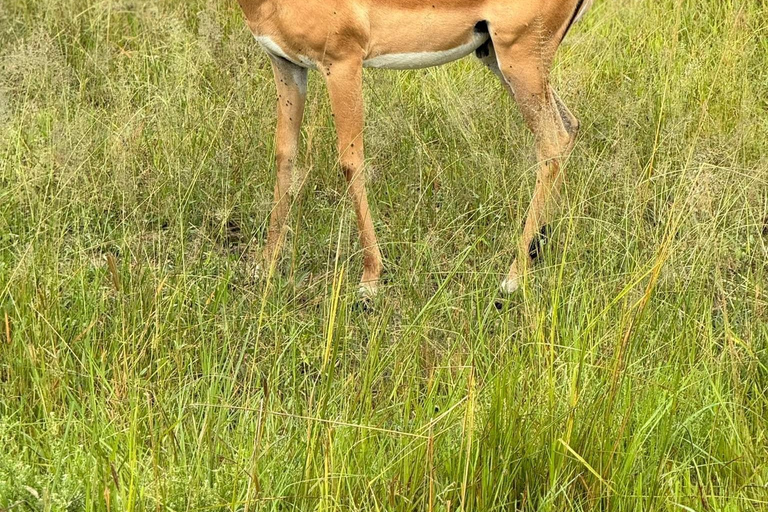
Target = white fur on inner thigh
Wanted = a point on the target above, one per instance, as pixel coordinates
(418, 60)
(299, 76)
(274, 49)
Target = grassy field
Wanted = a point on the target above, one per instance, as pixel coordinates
(143, 368)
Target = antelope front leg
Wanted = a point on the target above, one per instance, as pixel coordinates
(291, 83)
(345, 87)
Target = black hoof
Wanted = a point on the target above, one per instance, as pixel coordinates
(363, 305)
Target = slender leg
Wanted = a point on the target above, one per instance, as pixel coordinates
(525, 73)
(345, 87)
(291, 83)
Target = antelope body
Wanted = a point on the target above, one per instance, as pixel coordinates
(516, 39)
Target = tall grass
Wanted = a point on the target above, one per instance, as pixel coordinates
(142, 368)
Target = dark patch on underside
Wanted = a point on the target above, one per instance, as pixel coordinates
(485, 49)
(573, 18)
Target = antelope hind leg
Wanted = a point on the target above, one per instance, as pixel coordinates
(524, 74)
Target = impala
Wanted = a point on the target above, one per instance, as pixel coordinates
(516, 39)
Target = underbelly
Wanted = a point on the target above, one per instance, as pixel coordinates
(410, 60)
(417, 60)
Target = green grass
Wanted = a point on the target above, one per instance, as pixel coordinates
(141, 368)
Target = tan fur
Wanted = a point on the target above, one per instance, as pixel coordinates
(338, 37)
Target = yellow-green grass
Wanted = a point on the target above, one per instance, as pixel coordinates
(143, 368)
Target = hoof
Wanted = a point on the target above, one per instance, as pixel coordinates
(510, 286)
(507, 288)
(366, 295)
(253, 272)
(363, 305)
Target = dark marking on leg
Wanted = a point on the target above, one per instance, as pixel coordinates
(536, 248)
(570, 123)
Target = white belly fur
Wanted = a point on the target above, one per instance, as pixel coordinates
(416, 60)
(420, 60)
